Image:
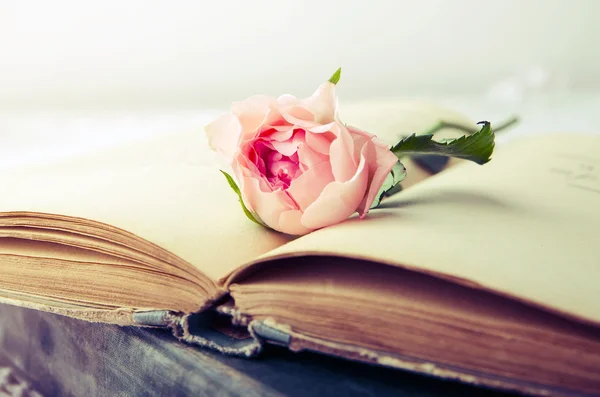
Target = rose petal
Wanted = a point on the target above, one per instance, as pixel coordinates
(282, 134)
(275, 156)
(286, 100)
(252, 112)
(338, 200)
(300, 113)
(359, 137)
(289, 222)
(289, 147)
(321, 128)
(380, 160)
(308, 187)
(275, 120)
(267, 205)
(309, 158)
(341, 155)
(299, 117)
(224, 135)
(323, 103)
(244, 167)
(319, 142)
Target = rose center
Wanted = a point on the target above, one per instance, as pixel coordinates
(277, 168)
(280, 173)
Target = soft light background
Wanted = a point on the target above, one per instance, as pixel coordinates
(77, 74)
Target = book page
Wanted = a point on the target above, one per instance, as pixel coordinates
(525, 225)
(168, 191)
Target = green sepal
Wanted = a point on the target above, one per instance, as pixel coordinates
(391, 185)
(335, 78)
(253, 217)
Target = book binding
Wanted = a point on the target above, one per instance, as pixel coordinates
(226, 330)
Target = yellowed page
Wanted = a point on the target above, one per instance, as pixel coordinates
(167, 190)
(526, 224)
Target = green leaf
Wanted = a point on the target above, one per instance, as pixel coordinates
(335, 78)
(477, 147)
(253, 217)
(391, 185)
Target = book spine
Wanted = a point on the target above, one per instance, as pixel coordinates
(218, 329)
(157, 318)
(224, 329)
(221, 328)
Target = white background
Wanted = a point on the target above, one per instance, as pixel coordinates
(76, 76)
(203, 53)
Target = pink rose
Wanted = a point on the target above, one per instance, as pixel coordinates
(298, 167)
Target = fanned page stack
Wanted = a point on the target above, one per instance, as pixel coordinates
(485, 274)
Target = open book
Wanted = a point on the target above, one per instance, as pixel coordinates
(485, 274)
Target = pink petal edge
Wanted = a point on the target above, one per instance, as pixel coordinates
(338, 200)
